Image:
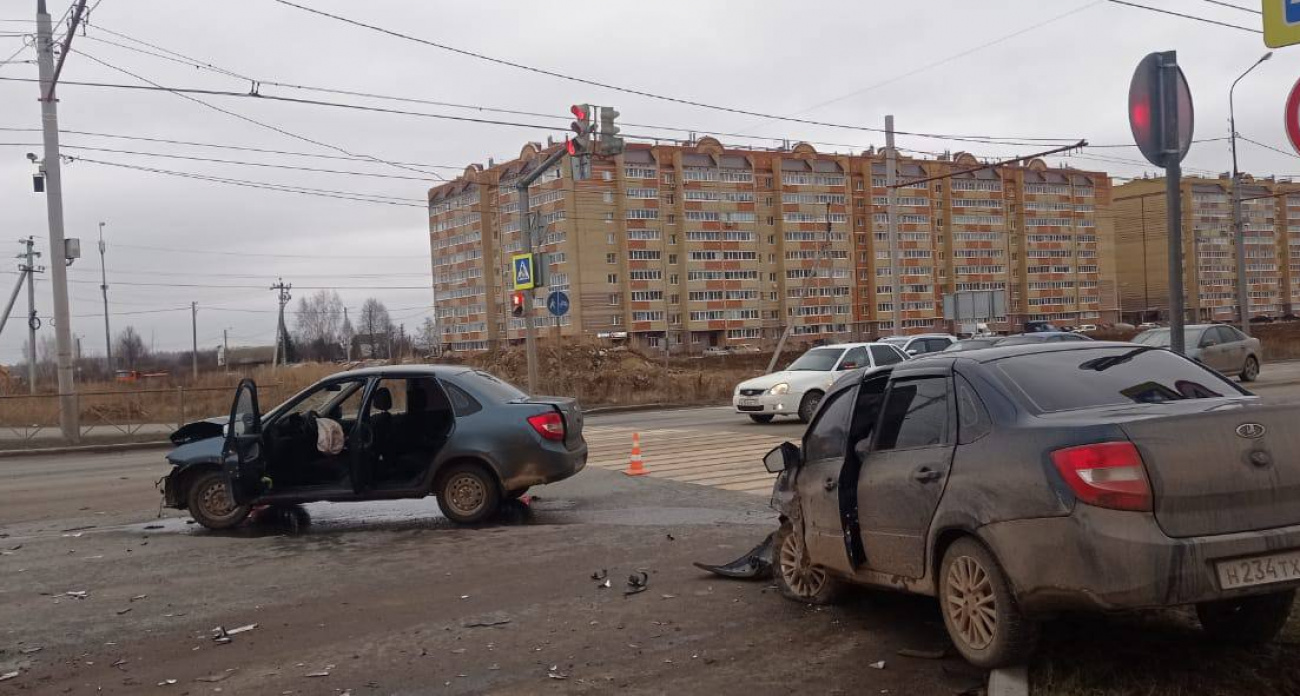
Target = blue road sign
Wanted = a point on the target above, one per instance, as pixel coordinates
(558, 303)
(524, 277)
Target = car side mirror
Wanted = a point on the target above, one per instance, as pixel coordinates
(913, 352)
(848, 365)
(783, 457)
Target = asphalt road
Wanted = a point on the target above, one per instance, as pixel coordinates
(382, 596)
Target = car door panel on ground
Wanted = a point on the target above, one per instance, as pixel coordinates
(903, 476)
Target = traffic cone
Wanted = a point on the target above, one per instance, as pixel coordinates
(636, 467)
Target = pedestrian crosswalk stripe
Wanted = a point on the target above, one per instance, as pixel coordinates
(703, 458)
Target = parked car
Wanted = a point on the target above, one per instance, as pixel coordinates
(716, 352)
(745, 349)
(1018, 482)
(1038, 325)
(798, 389)
(1219, 346)
(921, 344)
(456, 433)
(1085, 328)
(1148, 325)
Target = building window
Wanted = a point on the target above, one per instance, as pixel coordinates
(672, 259)
(611, 258)
(607, 176)
(672, 239)
(609, 217)
(612, 278)
(672, 280)
(771, 220)
(616, 320)
(672, 219)
(608, 195)
(609, 239)
(614, 298)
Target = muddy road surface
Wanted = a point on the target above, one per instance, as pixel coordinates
(99, 595)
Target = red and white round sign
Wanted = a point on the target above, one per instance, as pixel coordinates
(1292, 116)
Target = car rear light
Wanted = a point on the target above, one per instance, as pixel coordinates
(1106, 474)
(548, 425)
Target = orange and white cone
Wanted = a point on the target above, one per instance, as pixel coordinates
(636, 467)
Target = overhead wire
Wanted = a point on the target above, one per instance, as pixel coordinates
(186, 94)
(1221, 3)
(652, 95)
(1179, 14)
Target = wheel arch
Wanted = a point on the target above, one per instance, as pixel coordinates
(944, 539)
(473, 460)
(180, 480)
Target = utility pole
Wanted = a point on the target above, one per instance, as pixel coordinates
(283, 297)
(103, 287)
(18, 286)
(347, 349)
(1238, 227)
(225, 348)
(194, 336)
(529, 228)
(49, 77)
(33, 321)
(823, 253)
(891, 178)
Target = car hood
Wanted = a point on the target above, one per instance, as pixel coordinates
(196, 451)
(799, 380)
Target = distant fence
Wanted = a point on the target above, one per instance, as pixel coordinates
(124, 414)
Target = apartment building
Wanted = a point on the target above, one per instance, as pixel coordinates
(701, 245)
(1271, 218)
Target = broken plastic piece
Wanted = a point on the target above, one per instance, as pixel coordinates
(923, 654)
(637, 583)
(9, 675)
(755, 565)
(877, 665)
(600, 575)
(494, 619)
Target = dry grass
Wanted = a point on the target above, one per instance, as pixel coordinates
(1161, 654)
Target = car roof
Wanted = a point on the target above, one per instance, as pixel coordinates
(1187, 327)
(402, 371)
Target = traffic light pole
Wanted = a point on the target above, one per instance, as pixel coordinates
(530, 239)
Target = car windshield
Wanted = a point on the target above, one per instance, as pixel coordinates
(1073, 379)
(1160, 337)
(817, 360)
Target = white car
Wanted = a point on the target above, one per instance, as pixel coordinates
(1085, 328)
(797, 390)
(920, 344)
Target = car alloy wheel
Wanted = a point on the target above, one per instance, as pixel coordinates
(1250, 370)
(971, 603)
(467, 494)
(804, 579)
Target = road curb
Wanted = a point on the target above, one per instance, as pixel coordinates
(86, 449)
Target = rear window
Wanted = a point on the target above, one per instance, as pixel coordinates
(490, 387)
(1071, 379)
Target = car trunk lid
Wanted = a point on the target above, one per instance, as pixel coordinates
(1219, 467)
(569, 410)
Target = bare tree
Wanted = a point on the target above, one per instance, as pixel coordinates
(318, 322)
(376, 323)
(130, 347)
(426, 338)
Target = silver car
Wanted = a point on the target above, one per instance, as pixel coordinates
(1218, 346)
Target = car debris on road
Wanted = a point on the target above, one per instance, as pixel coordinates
(754, 565)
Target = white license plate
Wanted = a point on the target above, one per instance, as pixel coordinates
(749, 402)
(1259, 570)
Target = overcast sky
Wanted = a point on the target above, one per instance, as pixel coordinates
(1014, 69)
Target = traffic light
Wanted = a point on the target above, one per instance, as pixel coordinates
(610, 143)
(579, 146)
(517, 303)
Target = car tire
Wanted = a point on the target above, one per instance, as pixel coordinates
(467, 493)
(980, 611)
(1246, 620)
(209, 502)
(796, 577)
(766, 418)
(808, 406)
(1250, 371)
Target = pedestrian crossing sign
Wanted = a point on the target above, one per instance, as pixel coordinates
(1281, 23)
(525, 276)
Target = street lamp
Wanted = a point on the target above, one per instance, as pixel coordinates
(1243, 286)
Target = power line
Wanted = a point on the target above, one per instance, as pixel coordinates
(641, 93)
(1175, 14)
(948, 59)
(241, 287)
(184, 94)
(240, 148)
(190, 274)
(321, 193)
(224, 161)
(1221, 3)
(208, 252)
(1268, 147)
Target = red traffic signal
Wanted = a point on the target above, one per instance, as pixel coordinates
(582, 112)
(517, 303)
(571, 146)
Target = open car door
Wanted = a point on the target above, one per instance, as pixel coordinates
(242, 455)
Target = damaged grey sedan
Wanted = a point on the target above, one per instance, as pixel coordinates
(1014, 483)
(459, 434)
